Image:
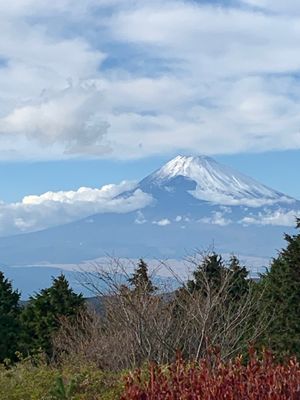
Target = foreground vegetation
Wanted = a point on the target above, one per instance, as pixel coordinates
(212, 379)
(35, 379)
(56, 347)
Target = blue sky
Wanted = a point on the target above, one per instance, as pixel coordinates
(101, 91)
(279, 170)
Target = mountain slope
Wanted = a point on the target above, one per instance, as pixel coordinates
(215, 183)
(197, 202)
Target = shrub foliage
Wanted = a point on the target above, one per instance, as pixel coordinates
(212, 379)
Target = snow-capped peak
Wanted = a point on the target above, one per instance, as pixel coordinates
(216, 183)
(183, 166)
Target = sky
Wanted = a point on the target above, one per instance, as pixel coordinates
(99, 92)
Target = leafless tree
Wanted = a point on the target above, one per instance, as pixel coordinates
(210, 318)
(137, 326)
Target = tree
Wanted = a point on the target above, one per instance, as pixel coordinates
(137, 327)
(140, 279)
(211, 271)
(282, 297)
(239, 279)
(41, 316)
(217, 307)
(9, 319)
(208, 271)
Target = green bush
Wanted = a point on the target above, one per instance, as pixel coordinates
(33, 379)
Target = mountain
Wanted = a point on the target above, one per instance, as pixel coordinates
(215, 183)
(196, 202)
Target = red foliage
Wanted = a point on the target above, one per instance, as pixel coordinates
(257, 380)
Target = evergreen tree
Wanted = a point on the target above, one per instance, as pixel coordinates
(140, 280)
(41, 316)
(217, 294)
(281, 285)
(211, 269)
(239, 284)
(9, 319)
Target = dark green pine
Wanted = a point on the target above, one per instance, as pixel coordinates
(140, 280)
(282, 297)
(41, 316)
(239, 282)
(212, 267)
(9, 319)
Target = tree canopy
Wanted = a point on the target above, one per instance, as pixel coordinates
(41, 316)
(140, 280)
(281, 285)
(9, 319)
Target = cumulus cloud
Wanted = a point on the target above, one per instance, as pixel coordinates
(279, 217)
(69, 118)
(55, 208)
(108, 91)
(162, 222)
(217, 218)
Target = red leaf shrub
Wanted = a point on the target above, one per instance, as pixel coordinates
(259, 379)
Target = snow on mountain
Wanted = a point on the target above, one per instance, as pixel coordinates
(215, 183)
(195, 201)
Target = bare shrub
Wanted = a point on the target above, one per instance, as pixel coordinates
(210, 318)
(137, 326)
(79, 339)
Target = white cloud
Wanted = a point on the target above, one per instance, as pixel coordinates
(280, 217)
(228, 200)
(217, 218)
(69, 118)
(77, 80)
(140, 218)
(212, 41)
(291, 7)
(162, 222)
(56, 208)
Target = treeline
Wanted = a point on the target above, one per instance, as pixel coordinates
(28, 329)
(218, 308)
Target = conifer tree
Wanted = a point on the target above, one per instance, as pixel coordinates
(212, 267)
(140, 280)
(213, 270)
(240, 283)
(281, 285)
(41, 316)
(9, 319)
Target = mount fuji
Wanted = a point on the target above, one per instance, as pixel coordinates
(194, 202)
(214, 183)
